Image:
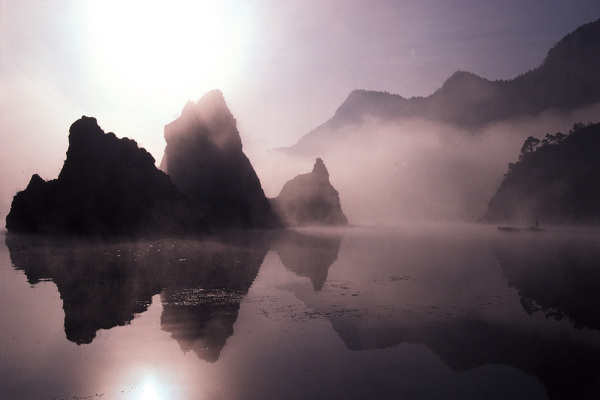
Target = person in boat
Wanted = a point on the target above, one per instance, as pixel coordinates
(535, 226)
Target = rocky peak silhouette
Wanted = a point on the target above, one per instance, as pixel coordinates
(310, 199)
(107, 187)
(205, 160)
(320, 171)
(207, 122)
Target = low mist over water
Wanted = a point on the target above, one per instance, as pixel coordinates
(411, 312)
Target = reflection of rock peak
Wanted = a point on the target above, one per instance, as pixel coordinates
(308, 255)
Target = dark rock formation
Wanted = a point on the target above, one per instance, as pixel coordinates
(566, 80)
(556, 180)
(310, 199)
(107, 187)
(205, 160)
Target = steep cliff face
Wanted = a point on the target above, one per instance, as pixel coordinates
(107, 187)
(310, 199)
(204, 158)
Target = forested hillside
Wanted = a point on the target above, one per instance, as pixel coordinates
(555, 180)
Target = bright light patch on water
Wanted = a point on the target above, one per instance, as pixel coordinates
(150, 392)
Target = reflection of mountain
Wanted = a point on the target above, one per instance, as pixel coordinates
(104, 285)
(447, 295)
(201, 303)
(566, 368)
(557, 276)
(308, 255)
(101, 285)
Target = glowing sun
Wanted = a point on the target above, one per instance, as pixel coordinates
(173, 45)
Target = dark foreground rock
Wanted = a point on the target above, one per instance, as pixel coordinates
(108, 187)
(310, 199)
(204, 158)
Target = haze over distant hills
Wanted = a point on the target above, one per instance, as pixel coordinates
(566, 80)
(442, 157)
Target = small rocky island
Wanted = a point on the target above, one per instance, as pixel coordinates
(310, 199)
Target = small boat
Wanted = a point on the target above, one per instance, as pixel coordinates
(514, 229)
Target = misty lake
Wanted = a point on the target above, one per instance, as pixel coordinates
(414, 312)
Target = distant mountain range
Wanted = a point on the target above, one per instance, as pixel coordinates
(567, 79)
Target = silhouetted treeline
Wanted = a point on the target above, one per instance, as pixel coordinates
(556, 180)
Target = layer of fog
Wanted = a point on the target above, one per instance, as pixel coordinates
(415, 170)
(385, 173)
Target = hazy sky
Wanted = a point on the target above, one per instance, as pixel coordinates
(283, 66)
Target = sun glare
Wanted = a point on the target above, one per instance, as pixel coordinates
(149, 393)
(176, 45)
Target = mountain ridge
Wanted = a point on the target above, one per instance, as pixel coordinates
(566, 79)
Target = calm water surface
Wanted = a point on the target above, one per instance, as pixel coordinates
(429, 312)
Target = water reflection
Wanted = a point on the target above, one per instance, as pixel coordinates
(557, 275)
(104, 285)
(308, 255)
(463, 318)
(435, 296)
(567, 369)
(101, 285)
(201, 282)
(202, 299)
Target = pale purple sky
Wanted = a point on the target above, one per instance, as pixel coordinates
(283, 66)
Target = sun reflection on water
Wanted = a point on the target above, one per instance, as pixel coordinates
(150, 391)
